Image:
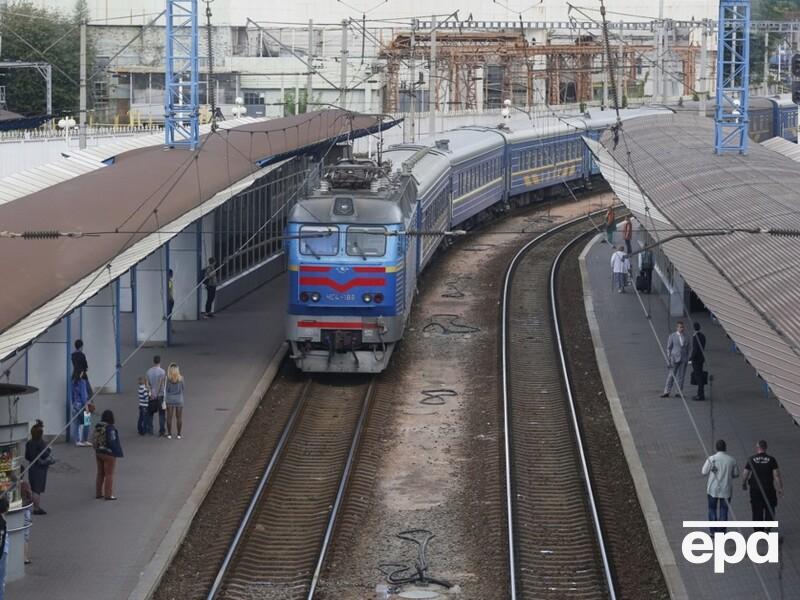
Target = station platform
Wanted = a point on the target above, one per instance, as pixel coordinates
(672, 436)
(86, 548)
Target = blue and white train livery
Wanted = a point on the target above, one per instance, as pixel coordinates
(354, 258)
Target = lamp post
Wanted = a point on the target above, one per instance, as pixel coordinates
(239, 110)
(65, 125)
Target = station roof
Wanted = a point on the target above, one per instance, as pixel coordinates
(126, 206)
(665, 170)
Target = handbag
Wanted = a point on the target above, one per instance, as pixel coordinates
(703, 376)
(153, 405)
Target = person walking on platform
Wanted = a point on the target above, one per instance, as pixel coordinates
(210, 281)
(38, 467)
(156, 379)
(611, 224)
(678, 357)
(698, 359)
(646, 270)
(174, 399)
(620, 265)
(761, 472)
(627, 233)
(107, 450)
(721, 469)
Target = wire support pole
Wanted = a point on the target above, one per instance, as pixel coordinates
(181, 118)
(733, 77)
(211, 90)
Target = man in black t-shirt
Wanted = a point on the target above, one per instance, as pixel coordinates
(761, 471)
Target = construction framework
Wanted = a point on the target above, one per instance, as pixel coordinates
(182, 111)
(462, 58)
(733, 77)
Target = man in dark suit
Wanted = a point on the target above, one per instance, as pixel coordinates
(698, 359)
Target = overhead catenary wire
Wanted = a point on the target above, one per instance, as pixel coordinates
(683, 234)
(149, 336)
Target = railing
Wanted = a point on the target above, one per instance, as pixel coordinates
(95, 131)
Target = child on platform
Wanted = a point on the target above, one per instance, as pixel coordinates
(145, 420)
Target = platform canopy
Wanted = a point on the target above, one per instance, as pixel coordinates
(131, 205)
(665, 170)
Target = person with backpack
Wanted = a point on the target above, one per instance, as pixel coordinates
(644, 281)
(38, 465)
(107, 450)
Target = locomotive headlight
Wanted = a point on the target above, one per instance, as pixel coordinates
(315, 296)
(378, 298)
(367, 298)
(303, 296)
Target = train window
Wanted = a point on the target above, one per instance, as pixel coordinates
(319, 241)
(366, 241)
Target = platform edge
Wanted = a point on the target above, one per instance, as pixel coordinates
(153, 572)
(655, 526)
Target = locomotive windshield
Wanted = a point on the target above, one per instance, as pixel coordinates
(319, 241)
(366, 241)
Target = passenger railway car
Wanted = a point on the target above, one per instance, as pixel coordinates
(357, 244)
(769, 116)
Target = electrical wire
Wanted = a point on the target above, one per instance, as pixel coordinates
(148, 337)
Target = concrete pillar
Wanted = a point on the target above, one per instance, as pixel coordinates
(126, 293)
(151, 298)
(100, 332)
(49, 367)
(184, 252)
(677, 306)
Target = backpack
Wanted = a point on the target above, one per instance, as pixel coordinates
(100, 437)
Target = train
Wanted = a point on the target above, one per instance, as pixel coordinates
(359, 241)
(769, 116)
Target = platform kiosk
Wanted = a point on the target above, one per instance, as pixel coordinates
(13, 436)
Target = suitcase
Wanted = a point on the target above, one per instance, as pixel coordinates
(641, 282)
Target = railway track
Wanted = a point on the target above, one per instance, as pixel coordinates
(556, 546)
(280, 545)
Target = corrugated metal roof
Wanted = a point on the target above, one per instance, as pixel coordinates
(783, 146)
(37, 322)
(665, 170)
(81, 162)
(127, 202)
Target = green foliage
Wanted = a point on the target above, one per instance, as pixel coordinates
(56, 39)
(774, 10)
(290, 102)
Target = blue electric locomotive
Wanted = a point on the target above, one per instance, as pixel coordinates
(353, 254)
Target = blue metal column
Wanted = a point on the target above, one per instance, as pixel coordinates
(181, 119)
(733, 77)
(117, 335)
(68, 432)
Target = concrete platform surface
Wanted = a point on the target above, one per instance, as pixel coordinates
(85, 548)
(672, 449)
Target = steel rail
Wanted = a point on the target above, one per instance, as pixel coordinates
(575, 424)
(262, 484)
(506, 405)
(348, 467)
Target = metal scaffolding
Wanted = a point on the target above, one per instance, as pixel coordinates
(505, 64)
(733, 76)
(181, 119)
